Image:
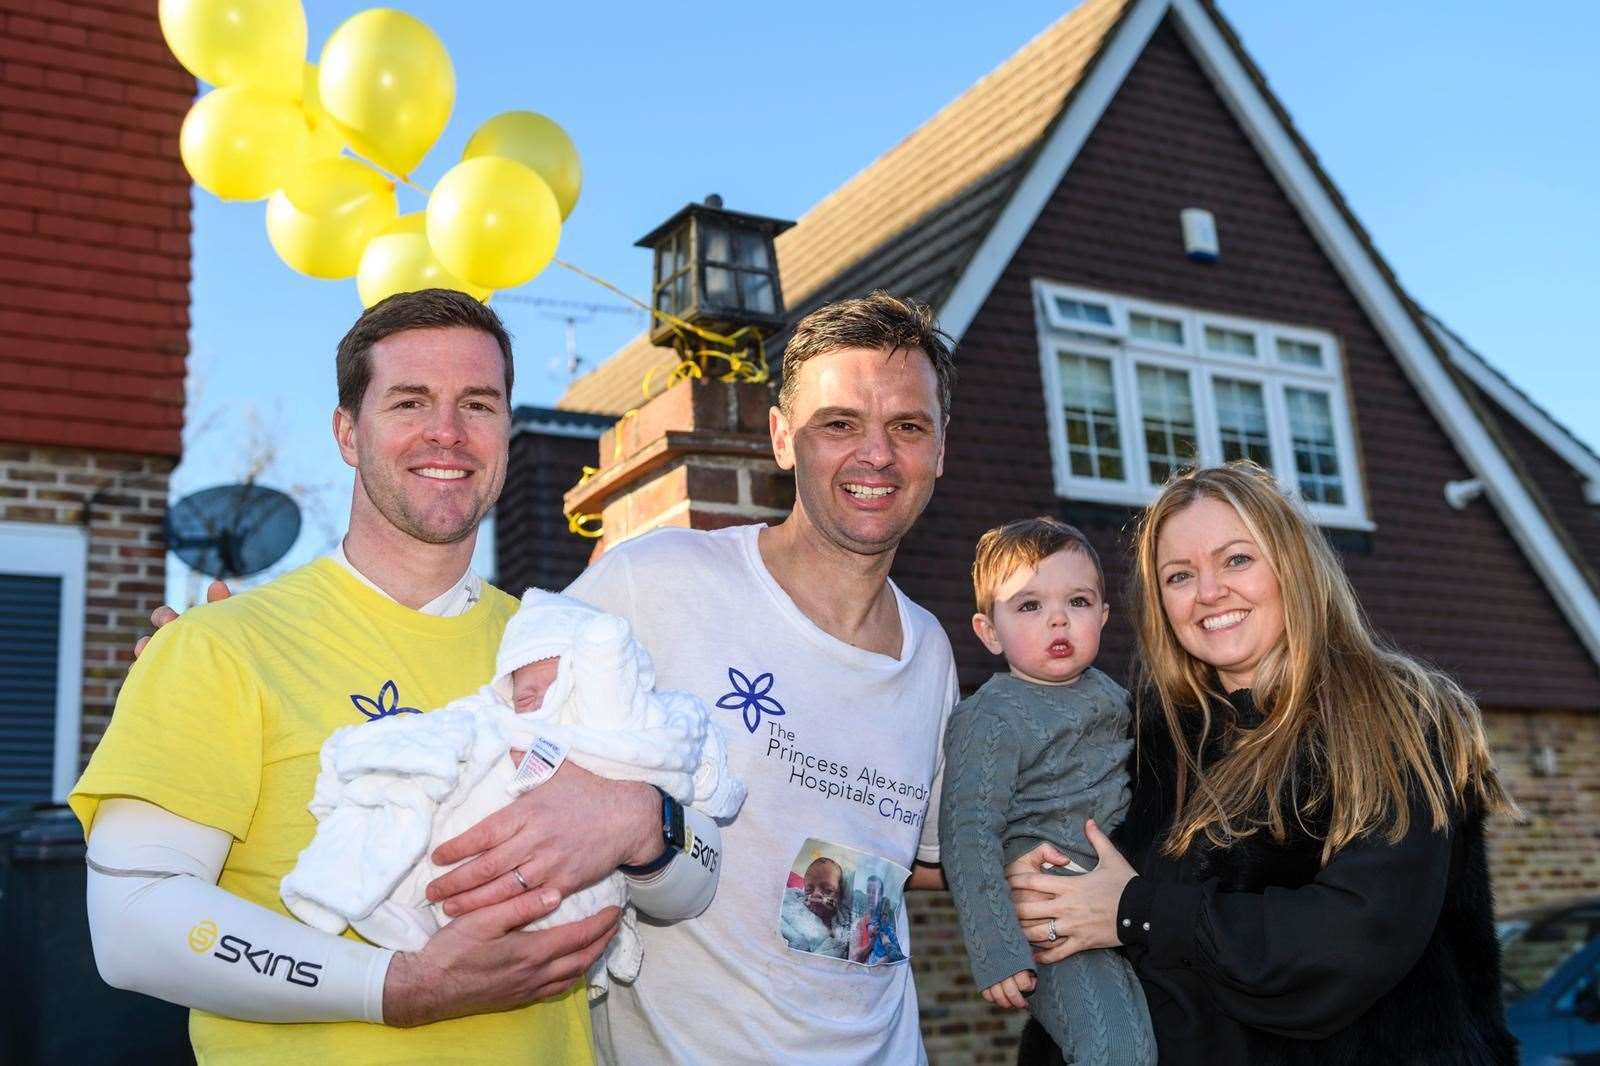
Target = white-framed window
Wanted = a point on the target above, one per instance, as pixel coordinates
(1139, 390)
(42, 574)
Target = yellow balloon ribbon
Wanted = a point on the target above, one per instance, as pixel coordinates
(259, 43)
(320, 222)
(240, 143)
(538, 143)
(493, 222)
(400, 260)
(388, 85)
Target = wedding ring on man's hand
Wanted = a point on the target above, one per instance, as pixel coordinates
(1049, 930)
(518, 875)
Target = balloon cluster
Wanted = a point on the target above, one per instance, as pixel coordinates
(279, 127)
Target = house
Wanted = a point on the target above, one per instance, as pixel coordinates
(1042, 214)
(93, 336)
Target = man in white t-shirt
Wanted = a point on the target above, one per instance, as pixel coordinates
(834, 689)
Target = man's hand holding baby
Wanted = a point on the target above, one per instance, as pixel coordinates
(485, 962)
(553, 836)
(569, 832)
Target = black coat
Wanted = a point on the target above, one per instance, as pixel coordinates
(1259, 954)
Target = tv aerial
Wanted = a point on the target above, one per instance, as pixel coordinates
(232, 530)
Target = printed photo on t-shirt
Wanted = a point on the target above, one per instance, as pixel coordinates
(843, 904)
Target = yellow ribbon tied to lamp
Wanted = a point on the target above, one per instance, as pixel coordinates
(493, 222)
(400, 260)
(241, 143)
(322, 219)
(538, 143)
(387, 83)
(258, 43)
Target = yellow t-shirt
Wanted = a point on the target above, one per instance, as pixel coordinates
(221, 721)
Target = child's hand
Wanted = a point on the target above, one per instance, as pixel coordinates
(1009, 994)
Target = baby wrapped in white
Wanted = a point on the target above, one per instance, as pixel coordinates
(391, 790)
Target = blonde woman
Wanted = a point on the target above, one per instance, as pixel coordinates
(1308, 880)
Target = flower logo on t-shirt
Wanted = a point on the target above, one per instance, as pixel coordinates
(751, 698)
(385, 706)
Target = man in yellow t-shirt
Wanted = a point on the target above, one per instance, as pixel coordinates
(195, 801)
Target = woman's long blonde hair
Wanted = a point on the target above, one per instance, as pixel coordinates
(1350, 726)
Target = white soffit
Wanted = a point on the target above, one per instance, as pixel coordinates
(1555, 436)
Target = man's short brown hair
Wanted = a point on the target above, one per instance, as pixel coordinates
(1026, 542)
(423, 309)
(877, 320)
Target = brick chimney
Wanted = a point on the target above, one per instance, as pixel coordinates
(697, 456)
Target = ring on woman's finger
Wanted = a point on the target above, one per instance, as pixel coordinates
(518, 875)
(1049, 930)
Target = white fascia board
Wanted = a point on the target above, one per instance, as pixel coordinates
(1044, 174)
(1567, 585)
(1541, 425)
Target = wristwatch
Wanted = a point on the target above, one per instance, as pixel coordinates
(672, 837)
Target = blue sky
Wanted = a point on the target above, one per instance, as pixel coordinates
(1460, 133)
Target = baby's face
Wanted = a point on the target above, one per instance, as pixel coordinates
(1046, 620)
(529, 684)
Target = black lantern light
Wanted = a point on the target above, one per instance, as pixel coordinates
(715, 269)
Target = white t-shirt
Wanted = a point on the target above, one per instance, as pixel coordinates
(841, 751)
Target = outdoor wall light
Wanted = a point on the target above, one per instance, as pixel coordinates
(716, 269)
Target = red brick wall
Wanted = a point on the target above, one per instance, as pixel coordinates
(1553, 853)
(121, 500)
(1448, 585)
(94, 217)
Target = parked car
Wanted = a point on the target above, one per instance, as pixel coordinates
(1550, 962)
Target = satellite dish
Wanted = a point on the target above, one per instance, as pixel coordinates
(232, 530)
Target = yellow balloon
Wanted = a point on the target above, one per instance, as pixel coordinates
(325, 141)
(493, 222)
(388, 84)
(399, 260)
(321, 220)
(260, 43)
(537, 142)
(241, 143)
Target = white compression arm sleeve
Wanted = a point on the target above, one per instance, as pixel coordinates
(161, 926)
(684, 887)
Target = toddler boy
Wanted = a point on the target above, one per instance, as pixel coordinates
(1029, 757)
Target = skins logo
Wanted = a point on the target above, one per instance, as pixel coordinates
(202, 936)
(234, 949)
(704, 854)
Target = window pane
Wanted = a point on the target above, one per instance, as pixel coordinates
(1316, 452)
(1242, 421)
(755, 289)
(1079, 311)
(716, 243)
(1299, 353)
(1155, 328)
(751, 249)
(1167, 407)
(719, 288)
(1230, 341)
(680, 250)
(1090, 404)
